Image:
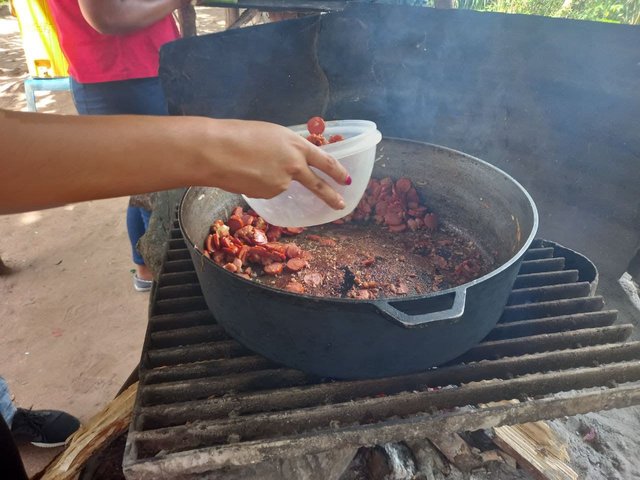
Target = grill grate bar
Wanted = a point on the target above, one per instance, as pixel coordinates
(208, 369)
(178, 266)
(198, 386)
(175, 243)
(195, 353)
(547, 342)
(552, 308)
(188, 336)
(177, 278)
(194, 389)
(177, 305)
(318, 394)
(412, 428)
(522, 296)
(178, 254)
(179, 320)
(373, 410)
(546, 278)
(553, 324)
(543, 265)
(178, 291)
(538, 253)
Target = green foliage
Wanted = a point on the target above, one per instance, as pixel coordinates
(616, 11)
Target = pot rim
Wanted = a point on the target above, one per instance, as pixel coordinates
(353, 301)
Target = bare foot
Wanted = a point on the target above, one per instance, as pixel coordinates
(143, 272)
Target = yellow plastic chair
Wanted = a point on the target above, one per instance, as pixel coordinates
(46, 63)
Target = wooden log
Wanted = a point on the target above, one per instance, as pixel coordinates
(537, 449)
(93, 436)
(457, 451)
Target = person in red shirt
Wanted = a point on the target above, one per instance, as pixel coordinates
(112, 47)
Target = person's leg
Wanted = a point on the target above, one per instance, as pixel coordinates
(7, 408)
(43, 428)
(137, 223)
(140, 97)
(10, 462)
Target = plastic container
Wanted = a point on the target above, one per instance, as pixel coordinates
(40, 39)
(297, 206)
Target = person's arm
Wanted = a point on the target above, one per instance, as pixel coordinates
(119, 17)
(49, 160)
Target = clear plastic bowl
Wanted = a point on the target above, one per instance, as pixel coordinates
(297, 206)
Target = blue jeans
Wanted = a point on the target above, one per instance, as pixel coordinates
(7, 408)
(142, 96)
(137, 224)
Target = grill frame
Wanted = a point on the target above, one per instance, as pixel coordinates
(571, 358)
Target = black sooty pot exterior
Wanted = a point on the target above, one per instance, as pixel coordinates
(349, 338)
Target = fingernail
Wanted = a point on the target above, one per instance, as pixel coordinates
(341, 204)
(348, 180)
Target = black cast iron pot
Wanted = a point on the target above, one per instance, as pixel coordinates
(348, 338)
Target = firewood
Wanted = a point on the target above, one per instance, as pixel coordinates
(457, 451)
(536, 449)
(92, 437)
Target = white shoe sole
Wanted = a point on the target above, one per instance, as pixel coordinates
(48, 445)
(142, 285)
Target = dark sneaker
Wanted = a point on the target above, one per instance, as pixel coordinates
(43, 428)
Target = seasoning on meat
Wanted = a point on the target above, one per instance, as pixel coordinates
(390, 246)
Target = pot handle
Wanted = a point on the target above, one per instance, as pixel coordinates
(419, 312)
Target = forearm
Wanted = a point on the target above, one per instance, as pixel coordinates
(43, 165)
(119, 17)
(49, 160)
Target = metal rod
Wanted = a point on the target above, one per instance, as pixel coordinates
(544, 265)
(195, 353)
(176, 305)
(414, 428)
(546, 278)
(553, 324)
(342, 391)
(171, 321)
(538, 253)
(552, 308)
(546, 342)
(374, 410)
(547, 293)
(207, 369)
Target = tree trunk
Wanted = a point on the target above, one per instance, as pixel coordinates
(444, 3)
(231, 15)
(187, 21)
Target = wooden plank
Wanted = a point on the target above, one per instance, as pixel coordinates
(537, 449)
(93, 436)
(457, 451)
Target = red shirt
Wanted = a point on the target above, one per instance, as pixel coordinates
(94, 57)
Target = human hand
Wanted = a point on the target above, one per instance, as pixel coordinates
(261, 159)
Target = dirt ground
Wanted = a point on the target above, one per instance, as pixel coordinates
(72, 324)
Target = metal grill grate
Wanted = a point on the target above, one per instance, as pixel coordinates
(206, 402)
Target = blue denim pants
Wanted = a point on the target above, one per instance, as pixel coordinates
(7, 408)
(141, 96)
